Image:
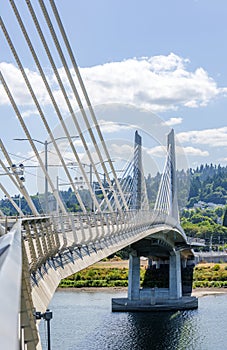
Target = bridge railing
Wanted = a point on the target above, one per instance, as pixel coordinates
(10, 287)
(44, 237)
(79, 229)
(57, 233)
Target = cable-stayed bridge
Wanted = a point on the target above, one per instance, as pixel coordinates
(38, 250)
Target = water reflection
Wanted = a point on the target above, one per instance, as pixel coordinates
(144, 331)
(84, 321)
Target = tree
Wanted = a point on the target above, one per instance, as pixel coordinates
(225, 219)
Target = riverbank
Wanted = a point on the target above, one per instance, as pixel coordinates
(202, 292)
(198, 292)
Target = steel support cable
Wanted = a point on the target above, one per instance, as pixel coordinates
(123, 183)
(128, 190)
(172, 161)
(136, 173)
(160, 188)
(39, 108)
(163, 195)
(159, 195)
(50, 57)
(84, 92)
(11, 200)
(168, 188)
(19, 185)
(147, 207)
(128, 174)
(76, 95)
(165, 201)
(144, 201)
(164, 198)
(144, 198)
(168, 185)
(31, 142)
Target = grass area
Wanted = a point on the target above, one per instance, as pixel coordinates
(107, 273)
(97, 277)
(115, 274)
(210, 275)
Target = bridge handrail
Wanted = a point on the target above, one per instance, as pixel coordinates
(10, 287)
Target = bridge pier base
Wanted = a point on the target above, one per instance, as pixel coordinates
(155, 299)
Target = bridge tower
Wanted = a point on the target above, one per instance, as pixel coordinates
(173, 178)
(166, 250)
(137, 172)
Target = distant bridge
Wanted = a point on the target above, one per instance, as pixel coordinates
(37, 251)
(211, 257)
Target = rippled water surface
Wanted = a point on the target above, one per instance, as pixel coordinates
(83, 320)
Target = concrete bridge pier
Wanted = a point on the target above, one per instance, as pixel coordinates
(167, 298)
(175, 280)
(134, 276)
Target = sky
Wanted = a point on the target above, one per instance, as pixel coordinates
(165, 57)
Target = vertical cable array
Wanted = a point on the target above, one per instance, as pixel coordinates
(164, 196)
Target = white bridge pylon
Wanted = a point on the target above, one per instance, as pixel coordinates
(166, 201)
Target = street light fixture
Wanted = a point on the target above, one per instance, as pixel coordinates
(47, 316)
(46, 143)
(16, 170)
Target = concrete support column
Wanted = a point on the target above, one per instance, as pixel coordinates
(175, 281)
(150, 263)
(184, 263)
(134, 277)
(157, 263)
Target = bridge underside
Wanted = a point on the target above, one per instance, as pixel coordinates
(47, 278)
(159, 244)
(168, 279)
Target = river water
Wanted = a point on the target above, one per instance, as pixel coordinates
(83, 320)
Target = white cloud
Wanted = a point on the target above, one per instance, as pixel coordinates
(160, 151)
(29, 112)
(124, 151)
(157, 151)
(110, 127)
(209, 137)
(17, 86)
(192, 151)
(158, 83)
(174, 121)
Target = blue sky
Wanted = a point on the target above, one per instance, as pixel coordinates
(168, 57)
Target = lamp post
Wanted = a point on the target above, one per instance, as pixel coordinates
(46, 143)
(16, 170)
(47, 316)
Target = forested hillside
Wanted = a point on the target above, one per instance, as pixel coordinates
(202, 198)
(207, 183)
